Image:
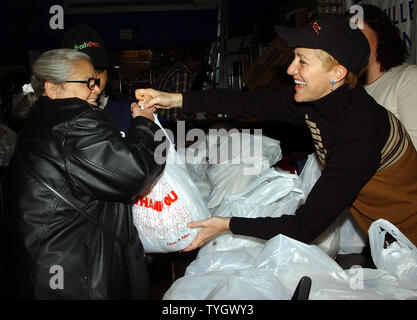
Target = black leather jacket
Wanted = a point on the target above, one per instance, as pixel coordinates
(48, 249)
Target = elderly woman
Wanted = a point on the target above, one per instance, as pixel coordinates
(67, 230)
(369, 163)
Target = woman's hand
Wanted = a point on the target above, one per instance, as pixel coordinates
(137, 111)
(149, 98)
(210, 228)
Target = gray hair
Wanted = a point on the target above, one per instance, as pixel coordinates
(55, 66)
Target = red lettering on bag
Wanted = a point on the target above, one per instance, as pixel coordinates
(157, 205)
(175, 196)
(143, 202)
(150, 204)
(169, 200)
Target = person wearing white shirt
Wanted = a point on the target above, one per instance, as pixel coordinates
(388, 79)
(396, 90)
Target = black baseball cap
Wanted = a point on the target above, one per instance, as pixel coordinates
(333, 34)
(84, 38)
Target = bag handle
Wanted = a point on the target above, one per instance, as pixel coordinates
(156, 120)
(377, 236)
(65, 200)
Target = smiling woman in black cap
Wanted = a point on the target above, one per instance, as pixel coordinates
(369, 163)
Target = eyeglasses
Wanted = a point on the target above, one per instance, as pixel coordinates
(91, 83)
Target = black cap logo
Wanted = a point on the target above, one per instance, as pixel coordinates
(316, 27)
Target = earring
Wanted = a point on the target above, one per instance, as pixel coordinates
(333, 82)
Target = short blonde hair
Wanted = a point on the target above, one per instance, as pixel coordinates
(352, 80)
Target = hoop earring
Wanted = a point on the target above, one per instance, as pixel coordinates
(333, 82)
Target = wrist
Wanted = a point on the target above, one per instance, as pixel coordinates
(178, 100)
(226, 224)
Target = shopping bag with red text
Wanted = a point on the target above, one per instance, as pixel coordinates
(161, 216)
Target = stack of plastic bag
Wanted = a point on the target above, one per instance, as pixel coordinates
(269, 193)
(239, 267)
(273, 270)
(226, 162)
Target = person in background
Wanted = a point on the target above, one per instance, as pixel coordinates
(369, 162)
(85, 39)
(7, 144)
(388, 78)
(7, 139)
(180, 76)
(69, 148)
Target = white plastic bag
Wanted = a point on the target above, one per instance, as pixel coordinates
(273, 270)
(161, 216)
(329, 239)
(272, 194)
(239, 158)
(352, 237)
(309, 175)
(195, 158)
(398, 257)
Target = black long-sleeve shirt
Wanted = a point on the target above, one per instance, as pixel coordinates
(349, 130)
